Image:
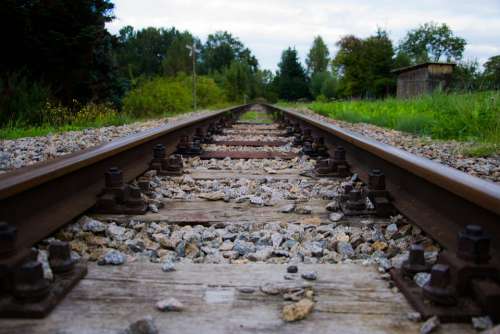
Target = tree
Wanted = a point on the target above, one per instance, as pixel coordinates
(238, 81)
(142, 52)
(291, 78)
(492, 71)
(364, 65)
(62, 42)
(221, 49)
(431, 42)
(317, 60)
(178, 59)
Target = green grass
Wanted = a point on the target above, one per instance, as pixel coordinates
(19, 131)
(257, 117)
(14, 131)
(471, 117)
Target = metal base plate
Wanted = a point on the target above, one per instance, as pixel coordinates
(462, 312)
(62, 284)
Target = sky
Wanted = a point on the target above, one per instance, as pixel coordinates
(268, 27)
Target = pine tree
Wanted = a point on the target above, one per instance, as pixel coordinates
(317, 60)
(292, 80)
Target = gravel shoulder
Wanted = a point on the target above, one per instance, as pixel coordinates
(444, 152)
(26, 151)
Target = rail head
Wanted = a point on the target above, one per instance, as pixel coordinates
(483, 193)
(28, 177)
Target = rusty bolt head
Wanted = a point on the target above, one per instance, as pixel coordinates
(439, 289)
(416, 261)
(144, 184)
(60, 257)
(113, 178)
(339, 154)
(8, 236)
(29, 282)
(440, 276)
(134, 191)
(159, 151)
(376, 180)
(474, 244)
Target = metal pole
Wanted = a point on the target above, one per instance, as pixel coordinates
(194, 77)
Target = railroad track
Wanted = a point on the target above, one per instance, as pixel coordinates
(320, 163)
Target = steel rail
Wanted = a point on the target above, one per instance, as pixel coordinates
(439, 199)
(43, 197)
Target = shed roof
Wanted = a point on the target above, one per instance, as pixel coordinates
(414, 67)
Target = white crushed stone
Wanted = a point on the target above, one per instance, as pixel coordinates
(441, 151)
(30, 150)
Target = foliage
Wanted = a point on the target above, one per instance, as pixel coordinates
(364, 65)
(163, 96)
(141, 52)
(291, 78)
(323, 84)
(318, 58)
(22, 100)
(470, 116)
(221, 49)
(72, 56)
(492, 71)
(467, 76)
(431, 42)
(177, 59)
(238, 81)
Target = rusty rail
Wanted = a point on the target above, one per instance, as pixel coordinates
(439, 199)
(39, 199)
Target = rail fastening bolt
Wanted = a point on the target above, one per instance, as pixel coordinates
(29, 282)
(439, 289)
(60, 257)
(8, 236)
(113, 178)
(159, 152)
(416, 261)
(474, 244)
(339, 154)
(376, 180)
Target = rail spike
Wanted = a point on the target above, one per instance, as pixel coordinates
(27, 293)
(118, 198)
(171, 166)
(464, 284)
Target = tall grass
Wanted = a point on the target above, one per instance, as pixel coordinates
(465, 117)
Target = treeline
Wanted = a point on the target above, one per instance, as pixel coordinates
(60, 65)
(60, 58)
(362, 67)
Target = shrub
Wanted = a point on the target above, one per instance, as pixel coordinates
(22, 100)
(158, 97)
(168, 96)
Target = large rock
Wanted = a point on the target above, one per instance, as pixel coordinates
(297, 311)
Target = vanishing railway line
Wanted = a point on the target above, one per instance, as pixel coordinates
(370, 179)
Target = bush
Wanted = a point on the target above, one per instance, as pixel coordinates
(157, 97)
(22, 100)
(169, 96)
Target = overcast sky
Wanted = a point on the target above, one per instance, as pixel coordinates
(267, 27)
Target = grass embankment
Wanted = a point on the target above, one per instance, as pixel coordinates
(471, 117)
(152, 99)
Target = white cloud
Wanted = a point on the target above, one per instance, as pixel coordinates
(268, 27)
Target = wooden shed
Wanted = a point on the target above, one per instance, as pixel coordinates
(423, 78)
